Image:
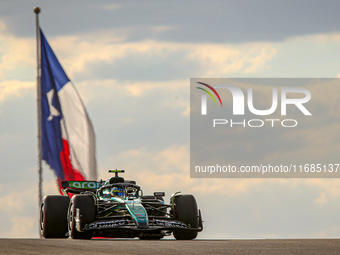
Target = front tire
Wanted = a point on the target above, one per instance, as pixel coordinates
(53, 216)
(187, 212)
(87, 210)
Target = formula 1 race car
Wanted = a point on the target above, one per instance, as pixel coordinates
(117, 208)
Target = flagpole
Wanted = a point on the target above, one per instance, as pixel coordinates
(37, 11)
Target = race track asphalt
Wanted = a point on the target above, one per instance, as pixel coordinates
(124, 246)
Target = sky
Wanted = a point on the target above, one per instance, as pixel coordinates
(131, 62)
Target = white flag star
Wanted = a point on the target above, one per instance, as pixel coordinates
(53, 110)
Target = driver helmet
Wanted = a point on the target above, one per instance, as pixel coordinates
(117, 192)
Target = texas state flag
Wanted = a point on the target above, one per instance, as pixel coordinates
(68, 139)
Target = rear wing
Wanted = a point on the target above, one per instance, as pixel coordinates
(79, 186)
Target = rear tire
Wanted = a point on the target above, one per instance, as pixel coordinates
(87, 210)
(187, 212)
(53, 216)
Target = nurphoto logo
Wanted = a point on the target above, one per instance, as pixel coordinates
(239, 104)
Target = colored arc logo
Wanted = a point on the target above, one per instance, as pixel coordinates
(218, 96)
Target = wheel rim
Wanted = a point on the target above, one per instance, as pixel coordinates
(42, 217)
(70, 219)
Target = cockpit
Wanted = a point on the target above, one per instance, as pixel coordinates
(117, 187)
(120, 190)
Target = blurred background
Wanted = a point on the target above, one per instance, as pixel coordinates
(132, 61)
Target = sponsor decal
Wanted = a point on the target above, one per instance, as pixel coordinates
(166, 223)
(106, 224)
(84, 185)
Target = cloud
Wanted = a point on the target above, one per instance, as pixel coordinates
(18, 210)
(10, 88)
(11, 202)
(17, 55)
(328, 189)
(22, 227)
(329, 37)
(219, 60)
(110, 7)
(134, 81)
(169, 169)
(106, 55)
(170, 160)
(214, 21)
(84, 57)
(140, 88)
(319, 136)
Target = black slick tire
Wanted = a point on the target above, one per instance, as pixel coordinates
(53, 216)
(87, 210)
(186, 211)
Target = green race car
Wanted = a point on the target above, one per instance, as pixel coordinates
(117, 208)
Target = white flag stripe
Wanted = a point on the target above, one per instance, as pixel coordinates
(79, 132)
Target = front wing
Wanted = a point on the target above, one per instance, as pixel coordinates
(125, 224)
